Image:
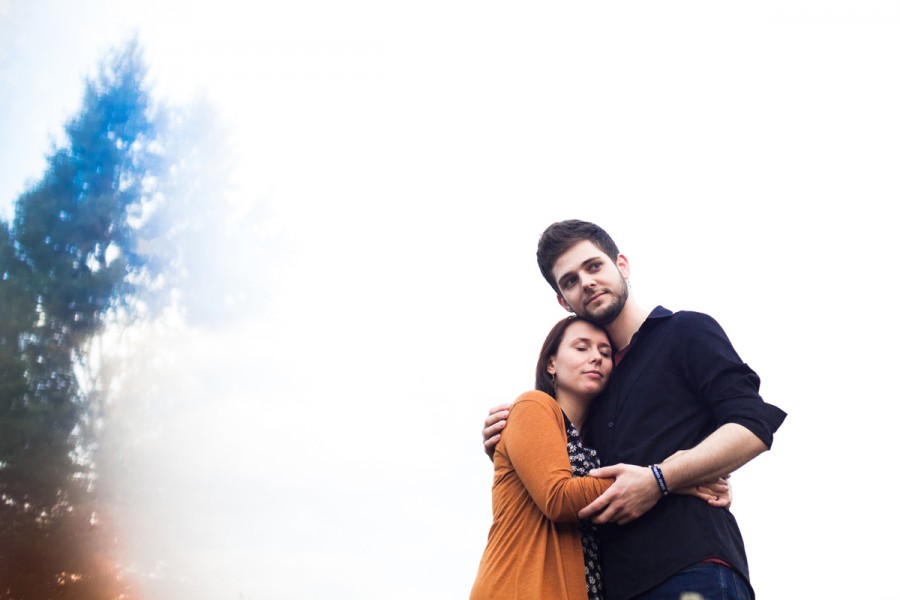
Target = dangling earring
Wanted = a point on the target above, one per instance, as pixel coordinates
(553, 380)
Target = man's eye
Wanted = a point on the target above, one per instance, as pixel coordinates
(569, 283)
(595, 266)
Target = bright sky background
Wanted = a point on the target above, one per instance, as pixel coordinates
(744, 155)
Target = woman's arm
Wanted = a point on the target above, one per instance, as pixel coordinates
(536, 443)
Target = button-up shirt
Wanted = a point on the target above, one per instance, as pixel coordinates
(680, 380)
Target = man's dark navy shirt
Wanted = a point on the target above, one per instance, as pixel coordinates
(679, 381)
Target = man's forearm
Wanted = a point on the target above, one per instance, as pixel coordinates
(727, 449)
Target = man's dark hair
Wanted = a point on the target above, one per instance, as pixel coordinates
(561, 236)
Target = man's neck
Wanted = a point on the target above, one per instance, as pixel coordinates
(623, 327)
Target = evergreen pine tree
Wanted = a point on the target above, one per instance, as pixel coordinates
(67, 261)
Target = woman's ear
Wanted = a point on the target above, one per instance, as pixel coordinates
(551, 365)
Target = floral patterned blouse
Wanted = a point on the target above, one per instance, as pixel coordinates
(583, 459)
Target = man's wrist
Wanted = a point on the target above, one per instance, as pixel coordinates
(660, 480)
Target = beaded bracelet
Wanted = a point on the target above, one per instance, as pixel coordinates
(660, 481)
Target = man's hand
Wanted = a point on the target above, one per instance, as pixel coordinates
(634, 492)
(493, 425)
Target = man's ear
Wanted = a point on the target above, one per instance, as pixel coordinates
(563, 303)
(624, 267)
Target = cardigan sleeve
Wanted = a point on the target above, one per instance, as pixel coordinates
(536, 444)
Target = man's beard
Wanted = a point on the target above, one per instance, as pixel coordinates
(609, 312)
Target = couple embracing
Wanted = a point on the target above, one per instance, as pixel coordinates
(610, 478)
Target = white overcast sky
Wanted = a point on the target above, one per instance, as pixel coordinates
(744, 155)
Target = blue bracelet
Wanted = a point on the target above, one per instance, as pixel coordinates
(660, 481)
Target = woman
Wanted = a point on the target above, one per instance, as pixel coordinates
(534, 548)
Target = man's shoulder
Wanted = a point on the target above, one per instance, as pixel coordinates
(690, 319)
(685, 327)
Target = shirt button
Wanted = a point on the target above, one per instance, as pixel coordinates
(610, 424)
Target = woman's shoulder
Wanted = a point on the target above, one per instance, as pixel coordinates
(530, 413)
(536, 397)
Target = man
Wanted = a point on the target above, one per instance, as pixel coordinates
(678, 384)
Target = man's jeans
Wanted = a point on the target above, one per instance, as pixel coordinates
(703, 581)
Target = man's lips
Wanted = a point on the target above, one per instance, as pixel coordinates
(596, 297)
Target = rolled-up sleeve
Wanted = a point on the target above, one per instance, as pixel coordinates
(727, 384)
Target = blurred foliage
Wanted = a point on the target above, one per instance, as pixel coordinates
(69, 260)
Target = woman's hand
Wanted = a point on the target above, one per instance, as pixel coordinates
(716, 493)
